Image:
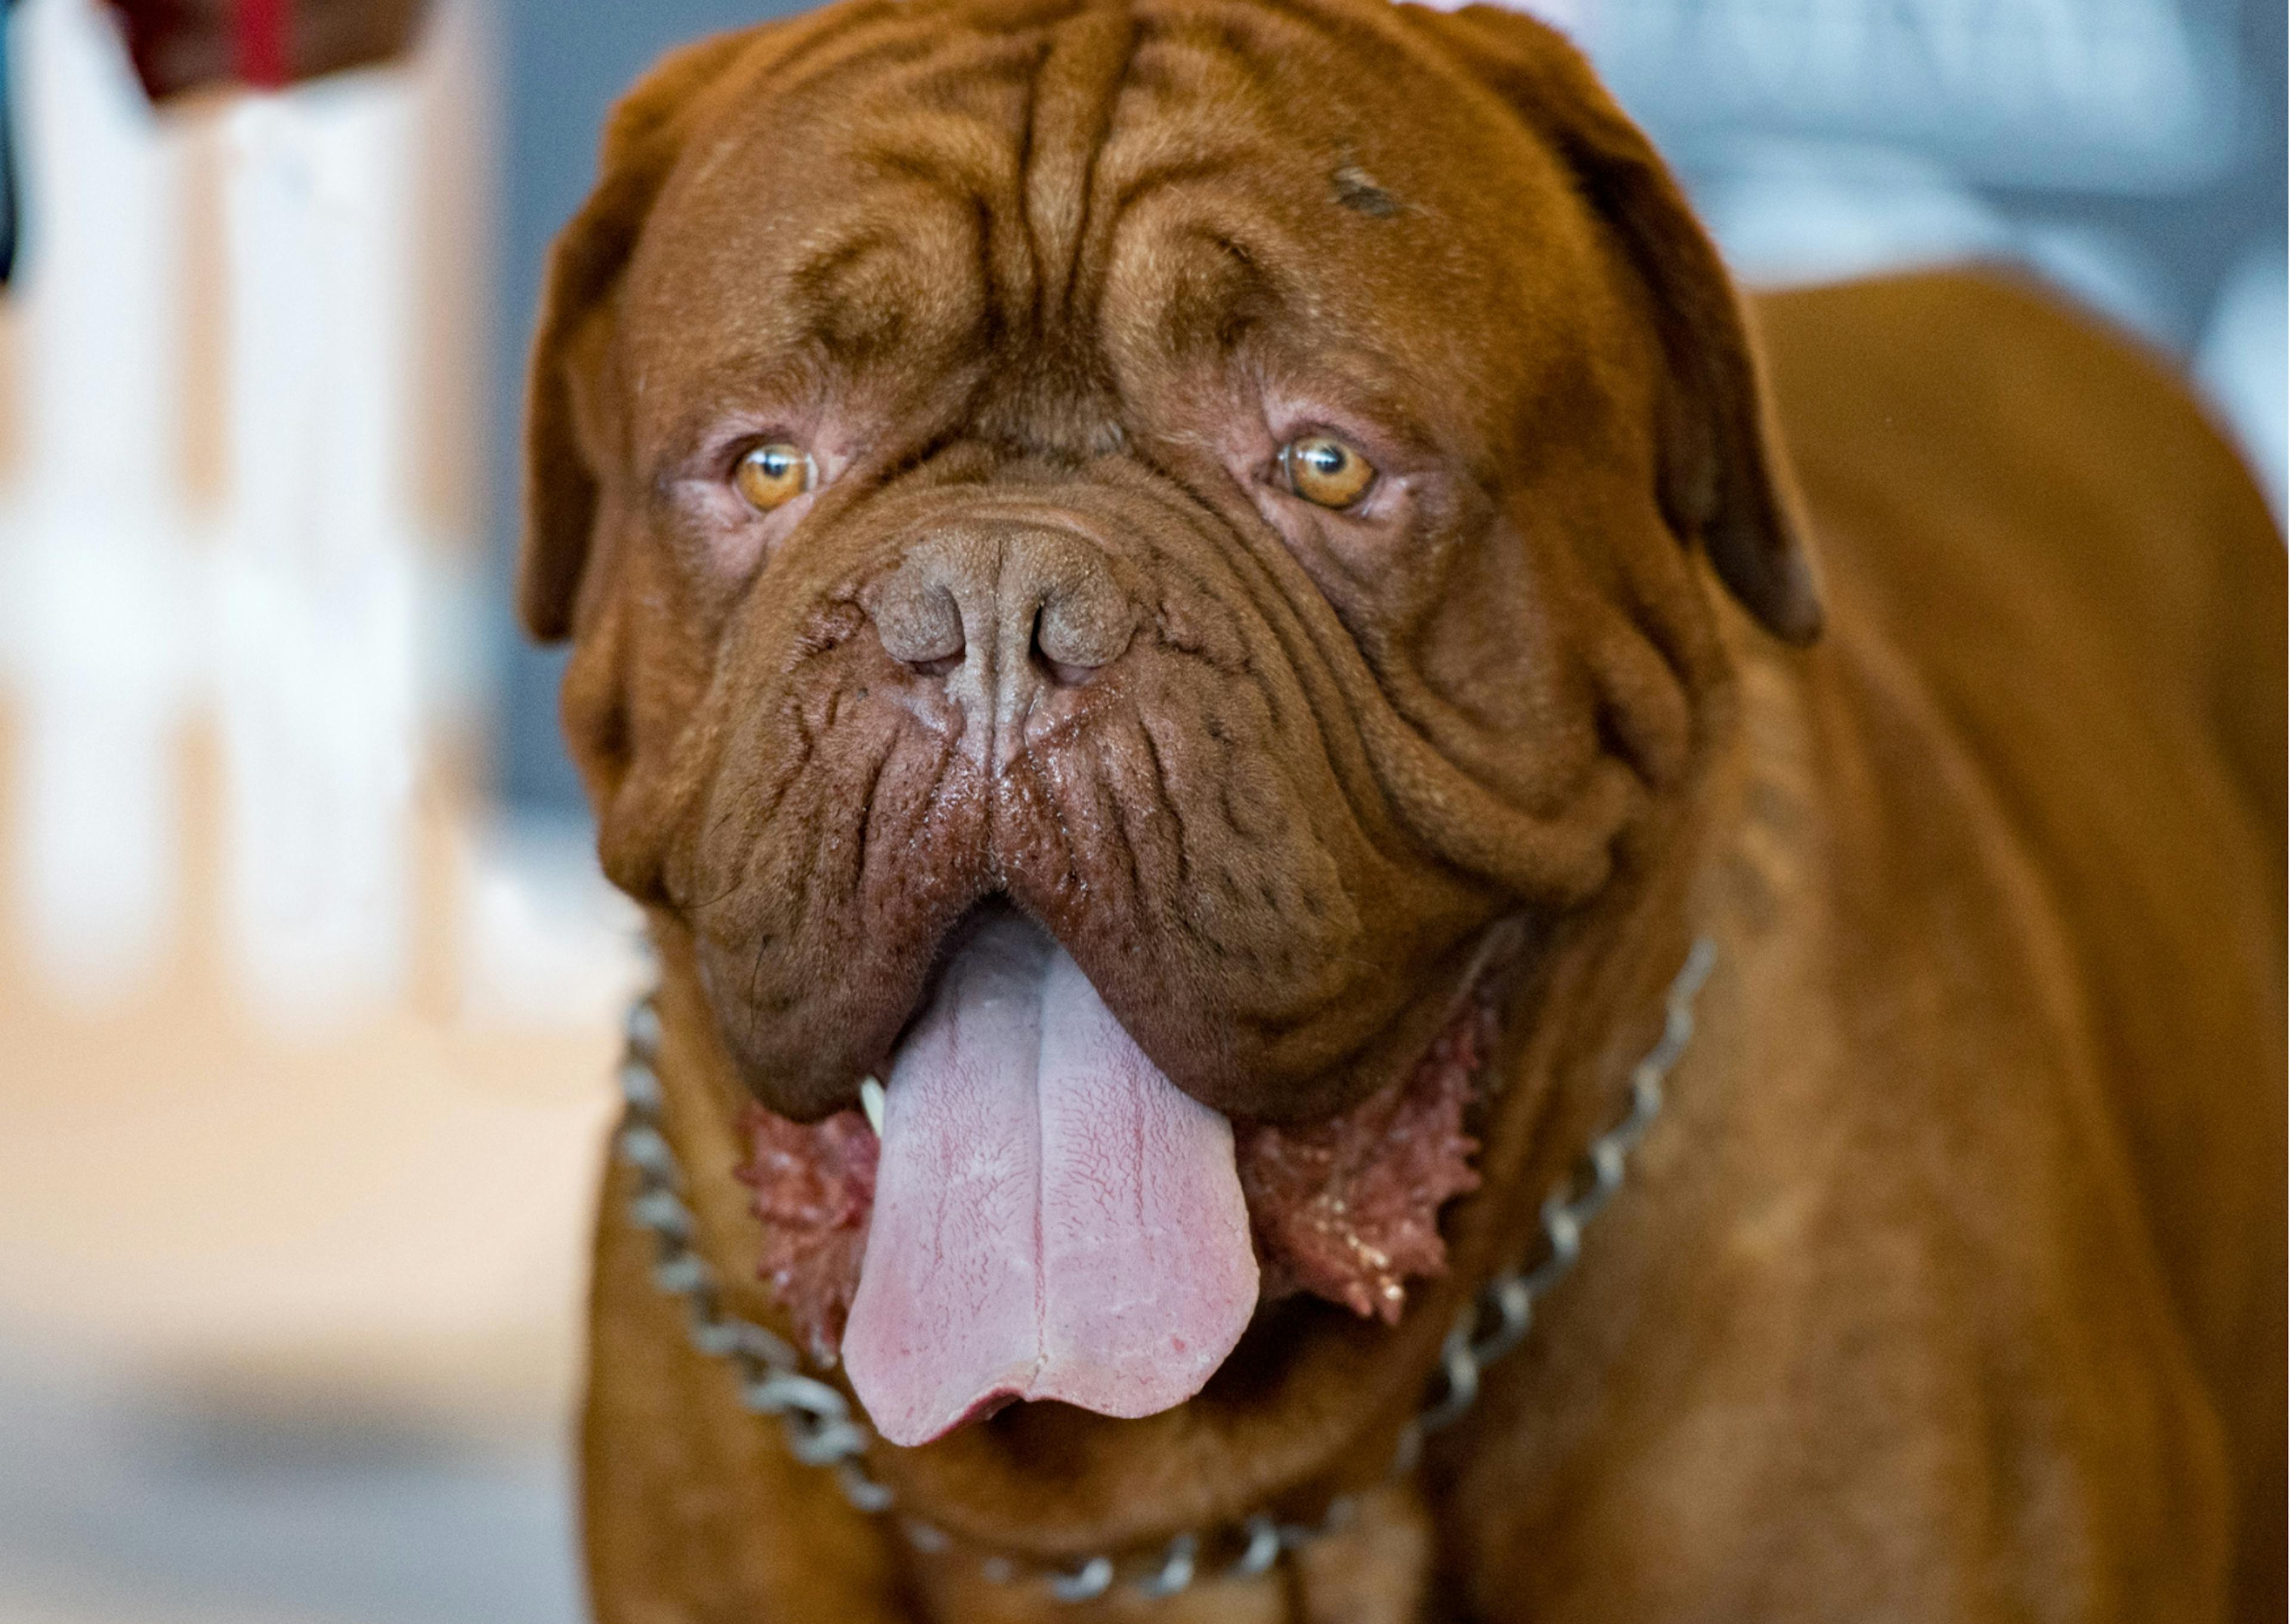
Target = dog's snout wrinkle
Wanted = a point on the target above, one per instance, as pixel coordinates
(1002, 616)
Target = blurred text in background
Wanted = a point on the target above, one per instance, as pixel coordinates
(307, 980)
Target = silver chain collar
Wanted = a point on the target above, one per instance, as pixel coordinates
(822, 1430)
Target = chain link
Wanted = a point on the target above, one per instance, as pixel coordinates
(822, 1430)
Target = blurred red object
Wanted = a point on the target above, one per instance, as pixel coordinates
(180, 45)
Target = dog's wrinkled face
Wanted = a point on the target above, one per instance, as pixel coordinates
(1216, 481)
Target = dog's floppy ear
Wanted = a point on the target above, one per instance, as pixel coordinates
(640, 146)
(1724, 478)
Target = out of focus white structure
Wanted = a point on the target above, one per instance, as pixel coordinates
(305, 610)
(2240, 364)
(97, 557)
(312, 634)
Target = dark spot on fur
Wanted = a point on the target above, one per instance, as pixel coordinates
(1355, 189)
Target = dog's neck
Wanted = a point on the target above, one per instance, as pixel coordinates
(1311, 1402)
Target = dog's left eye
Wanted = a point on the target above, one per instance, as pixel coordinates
(772, 475)
(1326, 472)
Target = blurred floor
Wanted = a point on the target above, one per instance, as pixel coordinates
(131, 1499)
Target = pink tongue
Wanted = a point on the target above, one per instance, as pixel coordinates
(1053, 1218)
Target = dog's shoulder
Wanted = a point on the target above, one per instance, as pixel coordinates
(2033, 507)
(2058, 576)
(1974, 445)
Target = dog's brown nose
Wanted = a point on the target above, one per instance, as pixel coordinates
(1002, 612)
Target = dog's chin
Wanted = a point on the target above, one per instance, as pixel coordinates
(1045, 1215)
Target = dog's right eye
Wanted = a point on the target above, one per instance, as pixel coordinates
(1325, 471)
(771, 476)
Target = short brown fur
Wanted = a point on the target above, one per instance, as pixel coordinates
(1950, 1284)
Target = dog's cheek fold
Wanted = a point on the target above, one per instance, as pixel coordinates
(1642, 704)
(593, 703)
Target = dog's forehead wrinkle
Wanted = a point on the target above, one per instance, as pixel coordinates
(1050, 196)
(1075, 90)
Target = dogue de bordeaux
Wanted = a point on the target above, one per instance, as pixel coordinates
(1181, 613)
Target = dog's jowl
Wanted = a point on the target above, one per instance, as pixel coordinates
(1371, 905)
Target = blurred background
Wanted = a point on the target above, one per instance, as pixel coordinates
(308, 983)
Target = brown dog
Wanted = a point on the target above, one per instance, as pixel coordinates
(1138, 571)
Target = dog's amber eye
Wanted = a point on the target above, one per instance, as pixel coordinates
(1324, 470)
(772, 475)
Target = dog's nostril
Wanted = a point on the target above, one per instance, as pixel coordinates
(1077, 634)
(1066, 672)
(922, 629)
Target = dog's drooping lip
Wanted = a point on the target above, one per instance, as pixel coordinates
(1349, 1208)
(814, 1194)
(1213, 1217)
